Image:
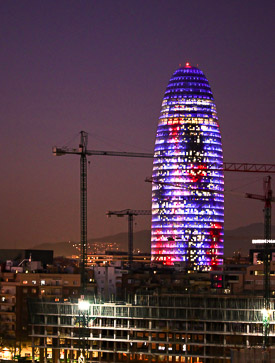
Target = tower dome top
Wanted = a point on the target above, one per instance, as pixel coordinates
(188, 81)
(189, 69)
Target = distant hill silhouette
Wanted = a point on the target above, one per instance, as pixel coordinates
(241, 238)
(235, 239)
(141, 241)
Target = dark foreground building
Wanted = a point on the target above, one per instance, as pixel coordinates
(168, 328)
(20, 255)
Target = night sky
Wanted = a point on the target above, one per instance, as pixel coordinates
(103, 66)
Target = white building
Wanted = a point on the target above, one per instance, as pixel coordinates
(108, 279)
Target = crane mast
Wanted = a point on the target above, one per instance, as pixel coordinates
(82, 152)
(83, 206)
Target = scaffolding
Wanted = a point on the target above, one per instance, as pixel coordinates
(177, 328)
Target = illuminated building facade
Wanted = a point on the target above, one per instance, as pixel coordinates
(188, 181)
(153, 328)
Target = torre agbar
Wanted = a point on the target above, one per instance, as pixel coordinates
(188, 180)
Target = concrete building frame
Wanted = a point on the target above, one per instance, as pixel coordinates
(170, 328)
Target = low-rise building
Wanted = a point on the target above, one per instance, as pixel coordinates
(139, 259)
(15, 291)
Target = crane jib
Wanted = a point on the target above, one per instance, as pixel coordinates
(236, 167)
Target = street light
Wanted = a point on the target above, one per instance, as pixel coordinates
(83, 305)
(267, 313)
(84, 310)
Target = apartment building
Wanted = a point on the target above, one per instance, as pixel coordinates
(15, 290)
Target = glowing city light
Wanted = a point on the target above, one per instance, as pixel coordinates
(266, 314)
(83, 305)
(187, 189)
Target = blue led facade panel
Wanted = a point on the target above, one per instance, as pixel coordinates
(188, 180)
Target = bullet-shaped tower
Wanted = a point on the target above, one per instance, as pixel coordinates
(188, 181)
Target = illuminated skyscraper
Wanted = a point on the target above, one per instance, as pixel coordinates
(187, 189)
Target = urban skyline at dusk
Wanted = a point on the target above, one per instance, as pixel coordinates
(103, 67)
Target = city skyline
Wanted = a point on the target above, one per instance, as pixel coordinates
(103, 67)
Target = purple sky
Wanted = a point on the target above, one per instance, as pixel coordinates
(103, 66)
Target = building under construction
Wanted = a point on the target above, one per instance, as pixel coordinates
(152, 328)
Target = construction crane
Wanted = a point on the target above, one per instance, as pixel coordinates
(83, 152)
(130, 213)
(249, 168)
(267, 198)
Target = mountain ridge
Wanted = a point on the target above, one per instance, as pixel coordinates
(235, 239)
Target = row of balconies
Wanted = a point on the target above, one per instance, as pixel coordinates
(7, 301)
(7, 309)
(211, 339)
(223, 327)
(3, 319)
(8, 292)
(168, 348)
